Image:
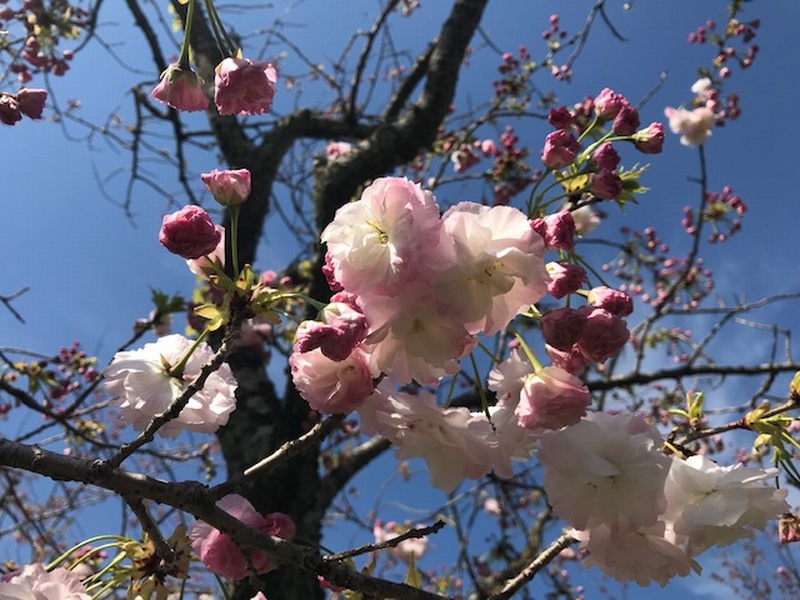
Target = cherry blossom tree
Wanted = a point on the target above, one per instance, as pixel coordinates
(502, 339)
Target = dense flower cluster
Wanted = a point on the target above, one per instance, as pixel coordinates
(34, 582)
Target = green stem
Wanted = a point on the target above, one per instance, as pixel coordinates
(183, 59)
(177, 370)
(234, 211)
(537, 366)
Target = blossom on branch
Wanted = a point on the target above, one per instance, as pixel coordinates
(189, 233)
(34, 582)
(222, 556)
(142, 386)
(180, 88)
(244, 87)
(230, 187)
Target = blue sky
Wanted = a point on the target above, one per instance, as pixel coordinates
(90, 268)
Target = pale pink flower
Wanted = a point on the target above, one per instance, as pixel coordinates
(410, 339)
(380, 242)
(709, 505)
(606, 469)
(463, 158)
(259, 596)
(222, 556)
(31, 102)
(34, 582)
(508, 378)
(244, 87)
(704, 88)
(640, 554)
(189, 232)
(498, 269)
(446, 438)
(229, 187)
(570, 360)
(181, 89)
(141, 386)
(694, 126)
(488, 148)
(411, 549)
(552, 398)
(336, 149)
(331, 386)
(586, 220)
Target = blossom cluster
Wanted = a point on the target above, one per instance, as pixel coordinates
(26, 102)
(643, 516)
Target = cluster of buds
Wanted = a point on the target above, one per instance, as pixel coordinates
(594, 169)
(510, 173)
(27, 102)
(553, 36)
(722, 210)
(515, 72)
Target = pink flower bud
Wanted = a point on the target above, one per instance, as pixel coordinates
(614, 301)
(563, 327)
(9, 110)
(627, 121)
(181, 89)
(606, 185)
(605, 157)
(31, 102)
(564, 279)
(230, 188)
(560, 117)
(552, 398)
(650, 140)
(608, 103)
(244, 87)
(189, 233)
(557, 230)
(343, 328)
(603, 335)
(560, 149)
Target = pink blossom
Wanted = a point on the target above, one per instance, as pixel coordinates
(709, 505)
(552, 398)
(342, 327)
(650, 140)
(608, 103)
(562, 327)
(336, 149)
(31, 102)
(560, 149)
(229, 187)
(560, 117)
(606, 185)
(489, 148)
(9, 110)
(497, 271)
(570, 360)
(789, 528)
(640, 554)
(463, 158)
(605, 157)
(189, 232)
(614, 301)
(34, 582)
(605, 470)
(603, 335)
(181, 89)
(565, 279)
(508, 378)
(410, 549)
(220, 554)
(558, 230)
(244, 87)
(382, 242)
(331, 386)
(694, 126)
(627, 121)
(141, 386)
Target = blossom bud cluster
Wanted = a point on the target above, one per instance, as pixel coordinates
(599, 163)
(241, 87)
(26, 102)
(640, 515)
